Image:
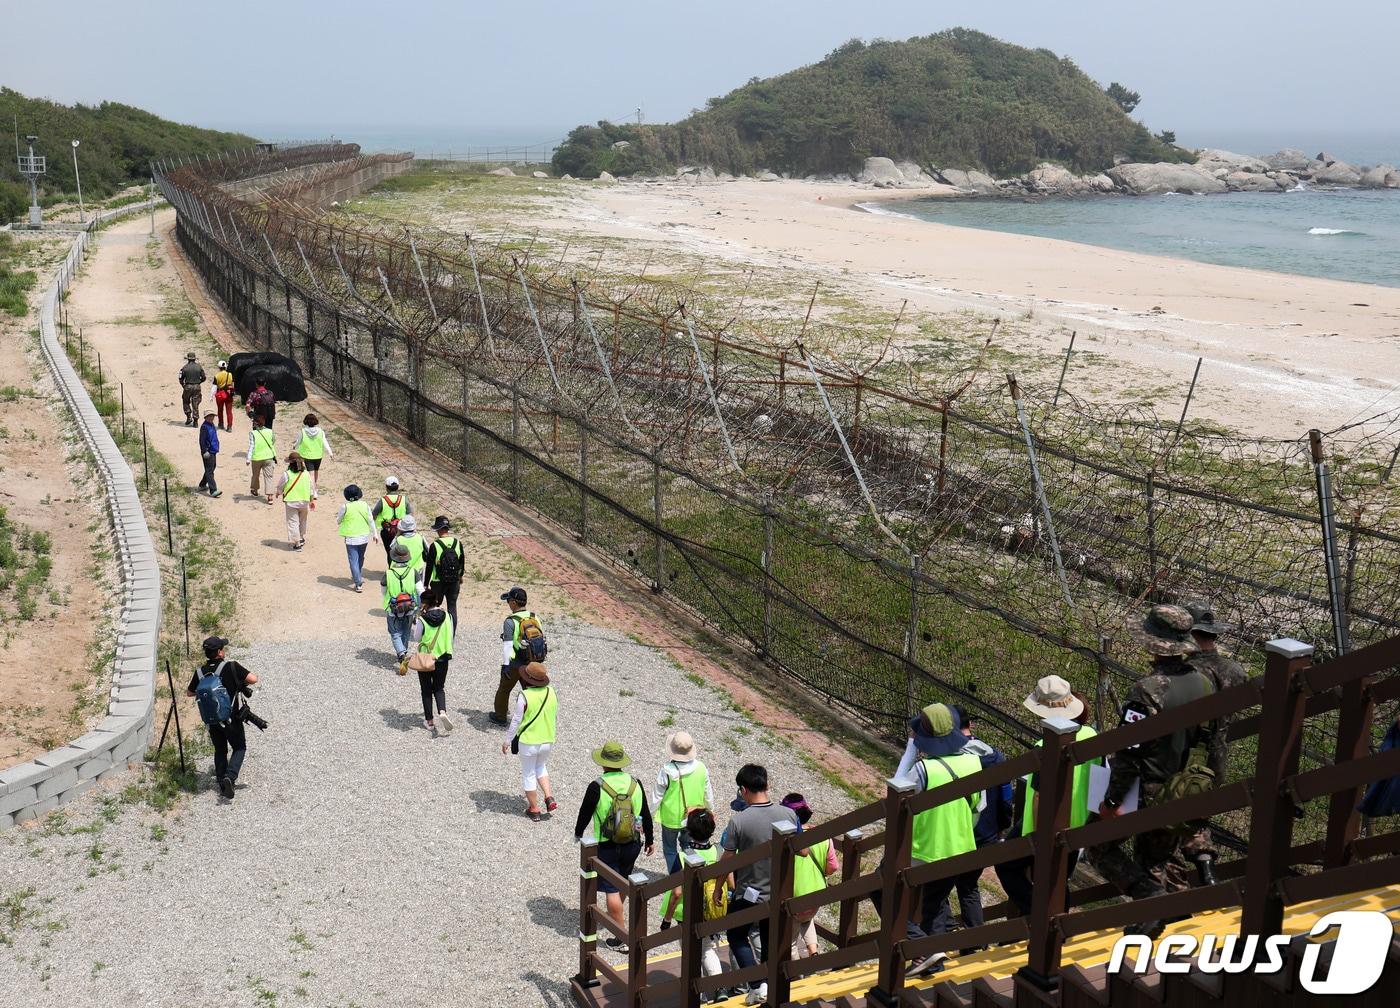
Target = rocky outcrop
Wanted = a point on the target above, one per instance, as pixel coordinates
(1211, 160)
(1290, 159)
(539, 174)
(880, 172)
(1250, 181)
(607, 177)
(500, 171)
(1337, 173)
(914, 176)
(768, 177)
(1374, 178)
(1142, 179)
(1049, 179)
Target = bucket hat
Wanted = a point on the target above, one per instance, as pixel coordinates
(399, 552)
(1166, 630)
(441, 524)
(1204, 615)
(680, 746)
(408, 523)
(937, 731)
(1053, 697)
(534, 674)
(611, 755)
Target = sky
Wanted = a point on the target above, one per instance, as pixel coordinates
(474, 72)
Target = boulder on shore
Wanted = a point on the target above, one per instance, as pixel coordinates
(914, 175)
(1375, 177)
(1337, 173)
(1211, 159)
(608, 177)
(539, 174)
(767, 176)
(1164, 177)
(500, 171)
(1249, 181)
(1052, 180)
(1290, 159)
(880, 170)
(1099, 183)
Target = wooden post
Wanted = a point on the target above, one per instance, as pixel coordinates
(849, 919)
(1041, 974)
(1271, 816)
(778, 940)
(693, 896)
(587, 913)
(1353, 743)
(894, 899)
(636, 931)
(942, 445)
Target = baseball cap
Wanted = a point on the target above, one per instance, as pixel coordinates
(516, 594)
(391, 482)
(212, 644)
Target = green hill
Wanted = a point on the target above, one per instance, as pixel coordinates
(118, 144)
(958, 99)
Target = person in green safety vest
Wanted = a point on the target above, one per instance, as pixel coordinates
(620, 838)
(533, 726)
(413, 542)
(945, 830)
(389, 510)
(810, 870)
(313, 446)
(432, 634)
(700, 830)
(296, 496)
(682, 786)
(400, 600)
(262, 456)
(1053, 697)
(355, 525)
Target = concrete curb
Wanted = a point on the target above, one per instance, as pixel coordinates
(55, 778)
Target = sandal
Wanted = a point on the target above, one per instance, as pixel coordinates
(550, 805)
(534, 814)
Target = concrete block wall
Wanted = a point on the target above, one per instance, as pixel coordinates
(119, 739)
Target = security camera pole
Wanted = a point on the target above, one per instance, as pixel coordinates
(32, 167)
(82, 214)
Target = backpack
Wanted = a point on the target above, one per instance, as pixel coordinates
(533, 646)
(392, 523)
(620, 826)
(716, 906)
(215, 705)
(1196, 777)
(448, 569)
(401, 604)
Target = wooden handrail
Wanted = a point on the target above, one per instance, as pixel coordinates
(975, 783)
(1210, 708)
(1379, 657)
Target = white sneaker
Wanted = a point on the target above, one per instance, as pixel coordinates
(444, 722)
(930, 965)
(758, 996)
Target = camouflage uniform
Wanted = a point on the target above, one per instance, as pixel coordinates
(1223, 673)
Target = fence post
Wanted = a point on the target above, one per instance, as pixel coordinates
(1282, 705)
(766, 641)
(693, 896)
(145, 458)
(636, 931)
(1101, 687)
(1340, 632)
(779, 936)
(515, 444)
(656, 515)
(587, 911)
(169, 529)
(582, 483)
(894, 895)
(1353, 743)
(911, 637)
(467, 416)
(849, 917)
(1050, 871)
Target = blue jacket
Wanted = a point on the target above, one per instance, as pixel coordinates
(208, 438)
(996, 817)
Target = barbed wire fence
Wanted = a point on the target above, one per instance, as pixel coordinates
(882, 536)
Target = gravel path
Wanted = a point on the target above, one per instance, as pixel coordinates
(365, 862)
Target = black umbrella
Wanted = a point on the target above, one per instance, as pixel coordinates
(284, 382)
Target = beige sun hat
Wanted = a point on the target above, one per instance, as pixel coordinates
(681, 746)
(1053, 697)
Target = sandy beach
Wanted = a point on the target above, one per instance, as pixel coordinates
(1282, 353)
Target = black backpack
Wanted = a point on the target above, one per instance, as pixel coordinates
(448, 568)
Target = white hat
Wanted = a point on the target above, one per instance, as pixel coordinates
(223, 363)
(391, 482)
(1053, 697)
(408, 523)
(681, 746)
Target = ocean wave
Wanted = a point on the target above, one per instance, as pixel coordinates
(881, 210)
(1331, 231)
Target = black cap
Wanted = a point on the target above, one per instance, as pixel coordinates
(353, 493)
(441, 524)
(212, 644)
(516, 594)
(1205, 623)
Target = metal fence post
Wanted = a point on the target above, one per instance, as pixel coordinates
(657, 517)
(1282, 706)
(766, 560)
(515, 444)
(1341, 636)
(894, 895)
(582, 483)
(1038, 488)
(911, 637)
(467, 416)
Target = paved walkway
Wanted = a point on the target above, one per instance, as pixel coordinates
(365, 862)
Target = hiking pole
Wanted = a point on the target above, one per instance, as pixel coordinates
(169, 532)
(175, 709)
(185, 596)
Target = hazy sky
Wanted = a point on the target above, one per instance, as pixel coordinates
(474, 69)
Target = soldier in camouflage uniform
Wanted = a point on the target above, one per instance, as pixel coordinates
(1198, 846)
(1172, 681)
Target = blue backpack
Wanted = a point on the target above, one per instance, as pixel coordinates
(215, 705)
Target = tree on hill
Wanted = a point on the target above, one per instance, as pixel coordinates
(1122, 97)
(118, 144)
(955, 99)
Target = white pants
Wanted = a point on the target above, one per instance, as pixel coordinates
(297, 513)
(532, 764)
(709, 956)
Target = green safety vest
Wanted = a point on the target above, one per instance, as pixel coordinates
(544, 701)
(619, 781)
(437, 640)
(414, 542)
(809, 870)
(399, 581)
(311, 446)
(1079, 795)
(264, 445)
(946, 830)
(392, 510)
(357, 520)
(683, 793)
(296, 486)
(709, 855)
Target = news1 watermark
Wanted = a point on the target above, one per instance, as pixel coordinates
(1361, 944)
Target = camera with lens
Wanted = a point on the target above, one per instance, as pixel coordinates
(259, 723)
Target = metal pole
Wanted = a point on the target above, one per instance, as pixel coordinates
(767, 563)
(911, 636)
(656, 513)
(1341, 635)
(82, 213)
(145, 459)
(1186, 405)
(175, 707)
(169, 530)
(185, 599)
(151, 198)
(121, 391)
(582, 483)
(1039, 488)
(1069, 351)
(515, 444)
(1101, 688)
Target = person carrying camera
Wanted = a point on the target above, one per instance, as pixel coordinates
(221, 686)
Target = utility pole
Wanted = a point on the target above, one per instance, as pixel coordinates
(639, 116)
(82, 213)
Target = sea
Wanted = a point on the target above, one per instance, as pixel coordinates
(1342, 234)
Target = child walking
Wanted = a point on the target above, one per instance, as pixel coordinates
(700, 827)
(432, 635)
(811, 867)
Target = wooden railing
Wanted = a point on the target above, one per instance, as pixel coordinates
(1274, 874)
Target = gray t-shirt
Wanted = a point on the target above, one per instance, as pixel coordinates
(749, 828)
